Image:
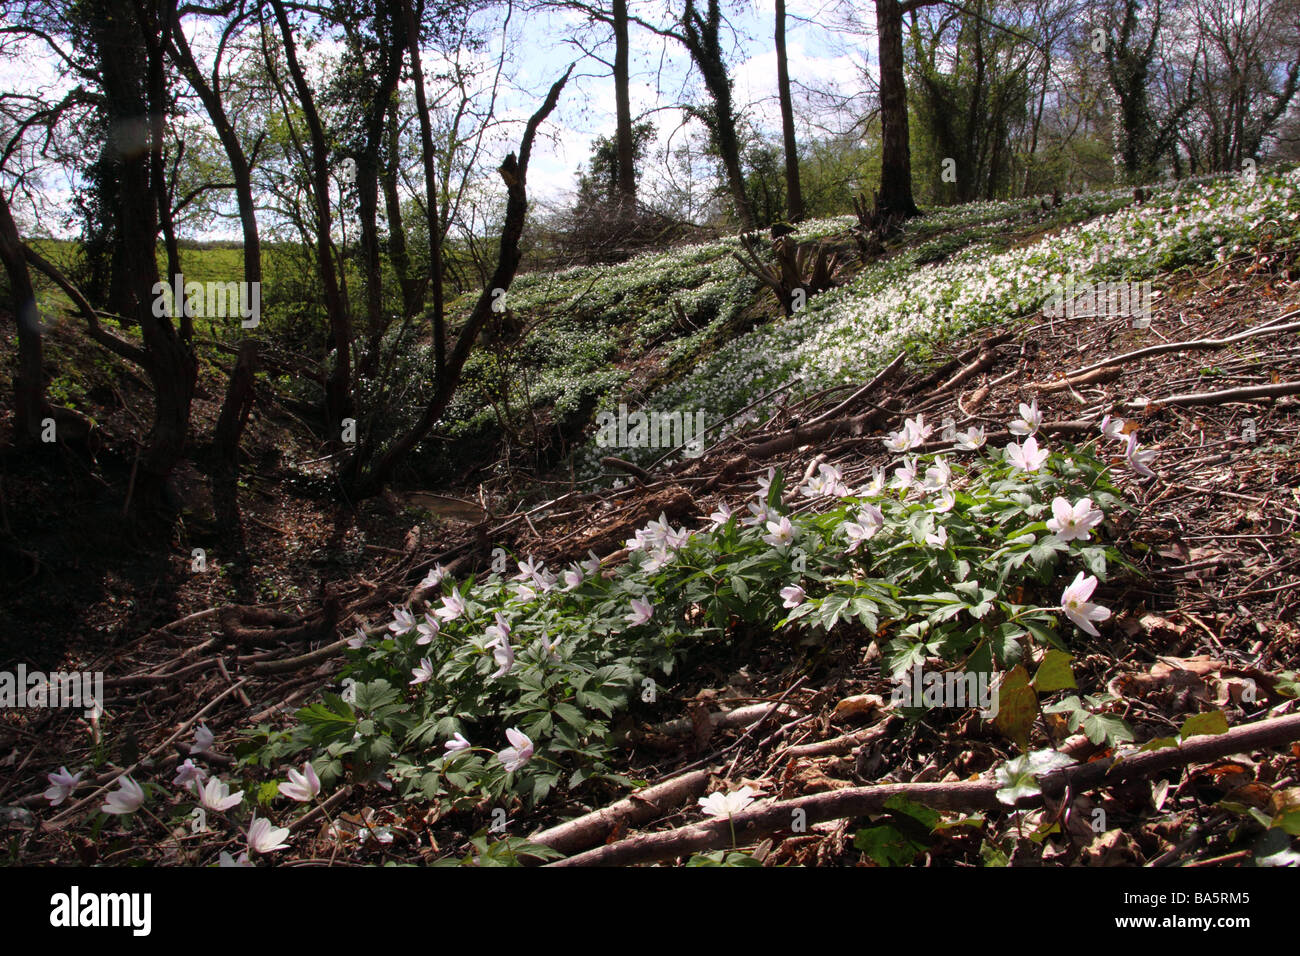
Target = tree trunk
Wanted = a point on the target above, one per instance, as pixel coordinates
(701, 36)
(226, 442)
(30, 404)
(363, 482)
(793, 191)
(338, 387)
(130, 62)
(411, 287)
(895, 194)
(369, 171)
(237, 405)
(430, 192)
(626, 147)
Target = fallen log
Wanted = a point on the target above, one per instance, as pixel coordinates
(593, 828)
(963, 796)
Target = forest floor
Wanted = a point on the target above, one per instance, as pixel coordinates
(1208, 623)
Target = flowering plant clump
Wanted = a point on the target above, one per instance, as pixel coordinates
(201, 805)
(515, 692)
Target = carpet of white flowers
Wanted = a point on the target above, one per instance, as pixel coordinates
(847, 334)
(593, 326)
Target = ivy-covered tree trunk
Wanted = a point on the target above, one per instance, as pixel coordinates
(128, 49)
(702, 38)
(30, 404)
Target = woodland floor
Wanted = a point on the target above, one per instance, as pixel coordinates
(1214, 535)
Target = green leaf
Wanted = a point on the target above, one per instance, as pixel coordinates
(1209, 724)
(1105, 728)
(375, 694)
(1005, 643)
(1054, 673)
(887, 846)
(1017, 706)
(1044, 635)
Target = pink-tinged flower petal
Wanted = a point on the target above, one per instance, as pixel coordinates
(520, 751)
(265, 838)
(1075, 604)
(128, 798)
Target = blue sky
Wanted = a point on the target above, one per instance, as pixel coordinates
(539, 45)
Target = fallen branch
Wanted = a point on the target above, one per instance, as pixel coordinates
(1089, 378)
(805, 435)
(727, 720)
(648, 804)
(1249, 393)
(302, 660)
(636, 471)
(882, 376)
(840, 745)
(963, 796)
(1193, 345)
(943, 371)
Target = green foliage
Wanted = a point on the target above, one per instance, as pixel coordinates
(580, 654)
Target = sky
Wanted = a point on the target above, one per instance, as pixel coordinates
(537, 46)
(662, 76)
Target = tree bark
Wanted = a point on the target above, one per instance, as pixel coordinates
(133, 78)
(30, 404)
(234, 412)
(895, 194)
(624, 143)
(237, 405)
(702, 37)
(338, 387)
(793, 191)
(439, 321)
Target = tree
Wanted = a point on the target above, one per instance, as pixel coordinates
(894, 197)
(338, 397)
(701, 34)
(125, 39)
(970, 84)
(366, 477)
(1247, 78)
(793, 192)
(604, 182)
(1131, 50)
(238, 401)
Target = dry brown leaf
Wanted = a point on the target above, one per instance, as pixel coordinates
(1112, 848)
(859, 705)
